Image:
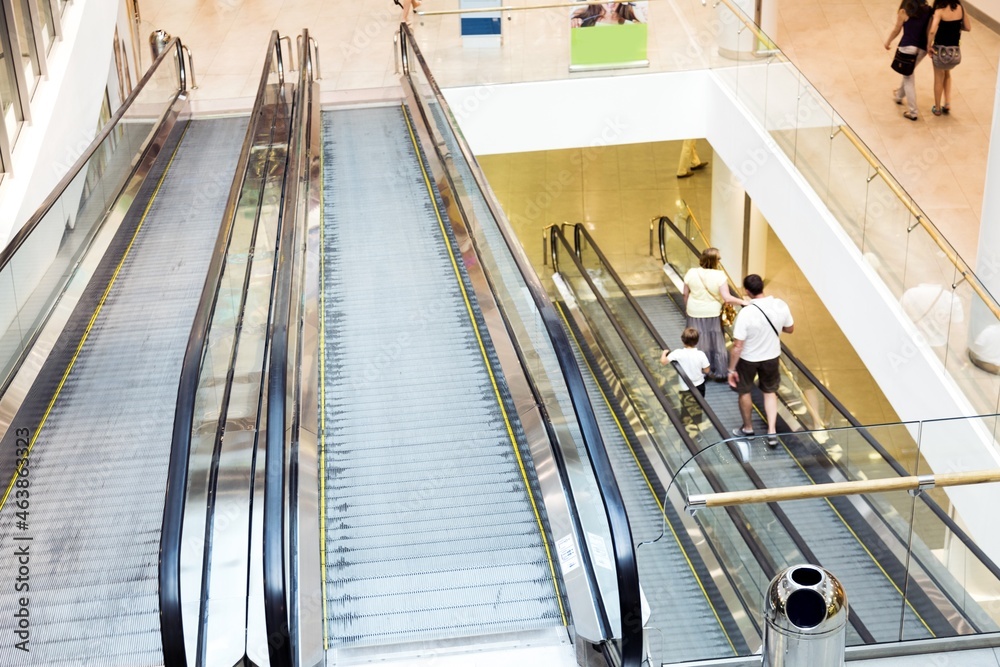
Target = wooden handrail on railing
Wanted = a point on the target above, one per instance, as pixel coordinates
(960, 264)
(508, 8)
(771, 46)
(758, 33)
(913, 483)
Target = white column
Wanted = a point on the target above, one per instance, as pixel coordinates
(984, 330)
(757, 239)
(737, 42)
(726, 231)
(728, 228)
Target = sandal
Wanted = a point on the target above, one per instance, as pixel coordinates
(936, 111)
(946, 108)
(909, 115)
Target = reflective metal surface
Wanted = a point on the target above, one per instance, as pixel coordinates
(306, 589)
(805, 612)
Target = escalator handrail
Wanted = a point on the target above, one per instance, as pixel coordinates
(171, 615)
(936, 509)
(282, 626)
(762, 558)
(626, 567)
(580, 232)
(173, 46)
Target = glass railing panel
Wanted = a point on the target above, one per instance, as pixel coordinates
(56, 239)
(845, 192)
(12, 338)
(813, 123)
(803, 397)
(906, 547)
(626, 370)
(939, 555)
(886, 230)
(784, 82)
(976, 335)
(749, 542)
(679, 255)
(928, 296)
(742, 581)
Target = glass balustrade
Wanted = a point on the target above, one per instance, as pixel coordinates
(928, 568)
(952, 313)
(36, 267)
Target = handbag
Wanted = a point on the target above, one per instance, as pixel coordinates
(728, 315)
(904, 63)
(946, 57)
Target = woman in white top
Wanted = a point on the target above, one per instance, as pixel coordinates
(705, 290)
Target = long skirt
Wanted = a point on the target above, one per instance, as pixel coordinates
(712, 343)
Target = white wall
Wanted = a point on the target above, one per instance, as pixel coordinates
(65, 109)
(673, 106)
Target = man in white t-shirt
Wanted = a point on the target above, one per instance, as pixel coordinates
(755, 352)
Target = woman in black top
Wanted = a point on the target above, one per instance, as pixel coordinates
(946, 29)
(912, 20)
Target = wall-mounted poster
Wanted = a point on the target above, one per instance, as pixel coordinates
(608, 35)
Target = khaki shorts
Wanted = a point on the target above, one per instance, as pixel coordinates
(765, 371)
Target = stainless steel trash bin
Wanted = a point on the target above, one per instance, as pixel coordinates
(158, 40)
(805, 613)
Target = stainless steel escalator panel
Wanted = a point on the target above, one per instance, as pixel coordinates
(677, 600)
(419, 460)
(99, 466)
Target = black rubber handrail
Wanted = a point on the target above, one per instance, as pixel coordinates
(621, 534)
(171, 615)
(762, 558)
(282, 626)
(936, 509)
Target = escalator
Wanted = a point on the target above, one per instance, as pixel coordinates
(437, 534)
(433, 528)
(680, 579)
(99, 419)
(161, 229)
(866, 554)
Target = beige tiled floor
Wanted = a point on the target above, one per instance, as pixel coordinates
(940, 161)
(837, 44)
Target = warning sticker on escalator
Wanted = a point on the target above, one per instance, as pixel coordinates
(599, 551)
(569, 559)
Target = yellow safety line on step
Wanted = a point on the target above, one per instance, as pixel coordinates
(90, 325)
(322, 415)
(489, 368)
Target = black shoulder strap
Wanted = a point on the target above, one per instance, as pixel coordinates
(773, 328)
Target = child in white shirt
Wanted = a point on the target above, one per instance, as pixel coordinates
(692, 361)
